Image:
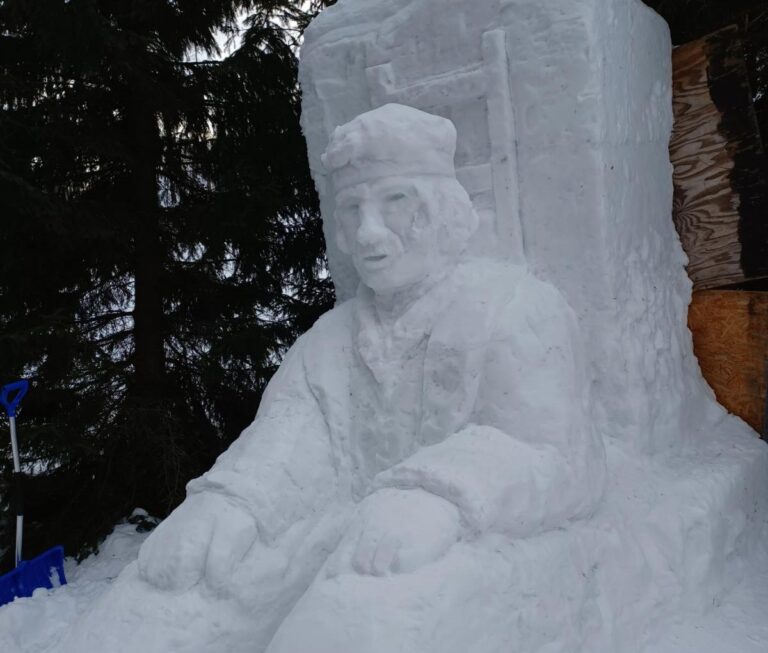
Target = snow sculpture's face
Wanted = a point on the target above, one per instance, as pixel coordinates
(387, 229)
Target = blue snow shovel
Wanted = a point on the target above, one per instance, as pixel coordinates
(47, 569)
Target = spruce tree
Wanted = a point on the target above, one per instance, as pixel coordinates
(160, 244)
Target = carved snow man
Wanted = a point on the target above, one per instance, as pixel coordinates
(445, 403)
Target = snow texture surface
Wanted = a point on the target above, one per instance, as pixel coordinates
(499, 440)
(36, 624)
(734, 625)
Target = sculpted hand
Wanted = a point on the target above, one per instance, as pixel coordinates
(397, 531)
(204, 538)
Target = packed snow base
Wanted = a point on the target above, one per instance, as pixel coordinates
(36, 624)
(728, 621)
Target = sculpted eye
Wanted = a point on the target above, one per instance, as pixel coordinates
(395, 197)
(348, 211)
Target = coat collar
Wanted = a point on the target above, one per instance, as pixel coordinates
(383, 345)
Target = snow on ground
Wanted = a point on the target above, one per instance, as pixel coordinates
(34, 625)
(737, 625)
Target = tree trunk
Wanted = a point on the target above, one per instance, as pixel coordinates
(149, 350)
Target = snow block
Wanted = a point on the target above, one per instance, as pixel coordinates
(672, 538)
(563, 112)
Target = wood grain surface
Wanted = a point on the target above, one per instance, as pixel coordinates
(730, 339)
(720, 203)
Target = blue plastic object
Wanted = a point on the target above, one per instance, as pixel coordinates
(46, 571)
(11, 401)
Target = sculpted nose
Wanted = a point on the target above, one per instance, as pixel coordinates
(371, 229)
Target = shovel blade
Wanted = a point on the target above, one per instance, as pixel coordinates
(46, 571)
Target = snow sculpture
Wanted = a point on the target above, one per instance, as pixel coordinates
(563, 113)
(445, 401)
(424, 473)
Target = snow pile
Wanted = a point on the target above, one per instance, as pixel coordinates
(36, 624)
(733, 622)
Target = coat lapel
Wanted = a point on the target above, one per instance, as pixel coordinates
(457, 347)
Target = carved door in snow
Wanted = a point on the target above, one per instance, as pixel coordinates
(475, 98)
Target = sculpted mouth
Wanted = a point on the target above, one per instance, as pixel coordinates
(375, 258)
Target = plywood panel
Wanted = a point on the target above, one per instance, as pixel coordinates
(721, 193)
(730, 339)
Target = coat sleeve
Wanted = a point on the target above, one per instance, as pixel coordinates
(280, 469)
(528, 460)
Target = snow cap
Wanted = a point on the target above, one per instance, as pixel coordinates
(393, 140)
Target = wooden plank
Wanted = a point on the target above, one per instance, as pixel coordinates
(721, 194)
(730, 339)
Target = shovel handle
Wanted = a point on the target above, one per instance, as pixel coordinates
(10, 400)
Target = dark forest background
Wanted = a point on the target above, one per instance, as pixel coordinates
(691, 19)
(160, 241)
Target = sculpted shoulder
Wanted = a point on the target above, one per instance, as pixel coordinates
(510, 296)
(332, 329)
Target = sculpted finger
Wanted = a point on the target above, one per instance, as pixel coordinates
(233, 535)
(341, 560)
(365, 552)
(386, 554)
(261, 565)
(172, 558)
(148, 564)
